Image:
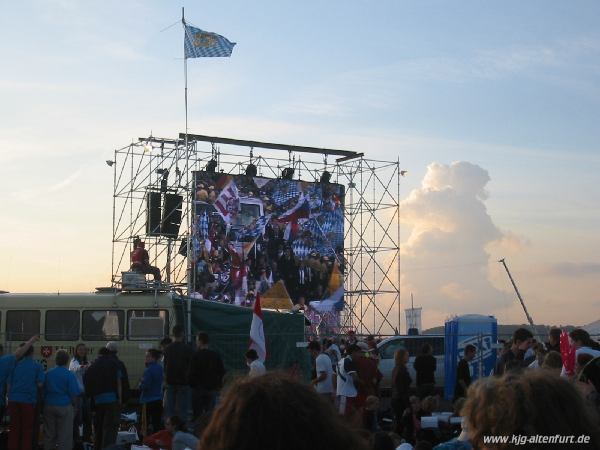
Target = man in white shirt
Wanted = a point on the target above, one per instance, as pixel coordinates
(323, 382)
(347, 380)
(256, 366)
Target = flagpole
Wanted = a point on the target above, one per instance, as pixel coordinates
(190, 192)
(190, 198)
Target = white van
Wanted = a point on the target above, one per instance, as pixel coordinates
(413, 344)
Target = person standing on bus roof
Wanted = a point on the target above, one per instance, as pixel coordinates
(7, 364)
(23, 384)
(140, 260)
(178, 356)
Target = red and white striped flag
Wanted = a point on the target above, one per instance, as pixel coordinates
(228, 202)
(257, 333)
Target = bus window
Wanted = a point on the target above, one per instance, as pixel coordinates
(103, 325)
(21, 325)
(437, 344)
(147, 324)
(62, 325)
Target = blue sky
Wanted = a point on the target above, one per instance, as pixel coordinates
(512, 87)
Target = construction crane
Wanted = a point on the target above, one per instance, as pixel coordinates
(519, 295)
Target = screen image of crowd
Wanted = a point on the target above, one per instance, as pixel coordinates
(252, 233)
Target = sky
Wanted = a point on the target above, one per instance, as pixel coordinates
(493, 109)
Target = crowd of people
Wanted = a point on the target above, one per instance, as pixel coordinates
(184, 403)
(220, 272)
(296, 237)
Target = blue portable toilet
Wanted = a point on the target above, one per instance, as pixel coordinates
(476, 329)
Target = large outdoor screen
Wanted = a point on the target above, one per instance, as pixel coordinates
(281, 238)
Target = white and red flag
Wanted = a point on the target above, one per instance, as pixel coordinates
(228, 202)
(257, 333)
(300, 211)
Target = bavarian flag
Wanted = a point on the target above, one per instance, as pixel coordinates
(201, 44)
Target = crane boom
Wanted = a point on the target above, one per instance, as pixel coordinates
(518, 294)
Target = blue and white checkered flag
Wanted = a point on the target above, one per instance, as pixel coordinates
(200, 44)
(257, 229)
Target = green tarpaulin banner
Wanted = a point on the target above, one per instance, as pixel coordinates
(228, 327)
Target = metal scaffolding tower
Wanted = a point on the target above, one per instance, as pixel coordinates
(372, 211)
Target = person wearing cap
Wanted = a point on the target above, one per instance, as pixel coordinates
(126, 389)
(140, 260)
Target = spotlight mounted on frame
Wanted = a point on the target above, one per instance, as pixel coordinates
(109, 162)
(211, 166)
(287, 173)
(251, 170)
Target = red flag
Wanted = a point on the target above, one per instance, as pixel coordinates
(567, 351)
(257, 334)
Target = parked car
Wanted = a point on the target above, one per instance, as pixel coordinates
(413, 344)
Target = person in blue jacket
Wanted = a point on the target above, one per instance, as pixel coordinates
(151, 389)
(7, 364)
(60, 391)
(23, 384)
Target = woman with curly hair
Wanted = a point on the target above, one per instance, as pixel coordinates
(525, 405)
(274, 412)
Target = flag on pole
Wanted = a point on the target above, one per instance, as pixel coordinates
(201, 44)
(228, 202)
(257, 334)
(256, 228)
(300, 211)
(334, 303)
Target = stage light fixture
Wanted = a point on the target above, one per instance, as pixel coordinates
(325, 177)
(251, 170)
(211, 166)
(287, 173)
(109, 163)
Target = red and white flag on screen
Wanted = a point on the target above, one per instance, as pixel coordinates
(228, 202)
(257, 333)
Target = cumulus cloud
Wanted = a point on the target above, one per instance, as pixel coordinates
(446, 259)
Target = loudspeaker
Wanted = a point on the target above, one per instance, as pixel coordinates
(171, 218)
(183, 247)
(153, 212)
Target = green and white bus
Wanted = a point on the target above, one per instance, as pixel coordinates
(137, 321)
